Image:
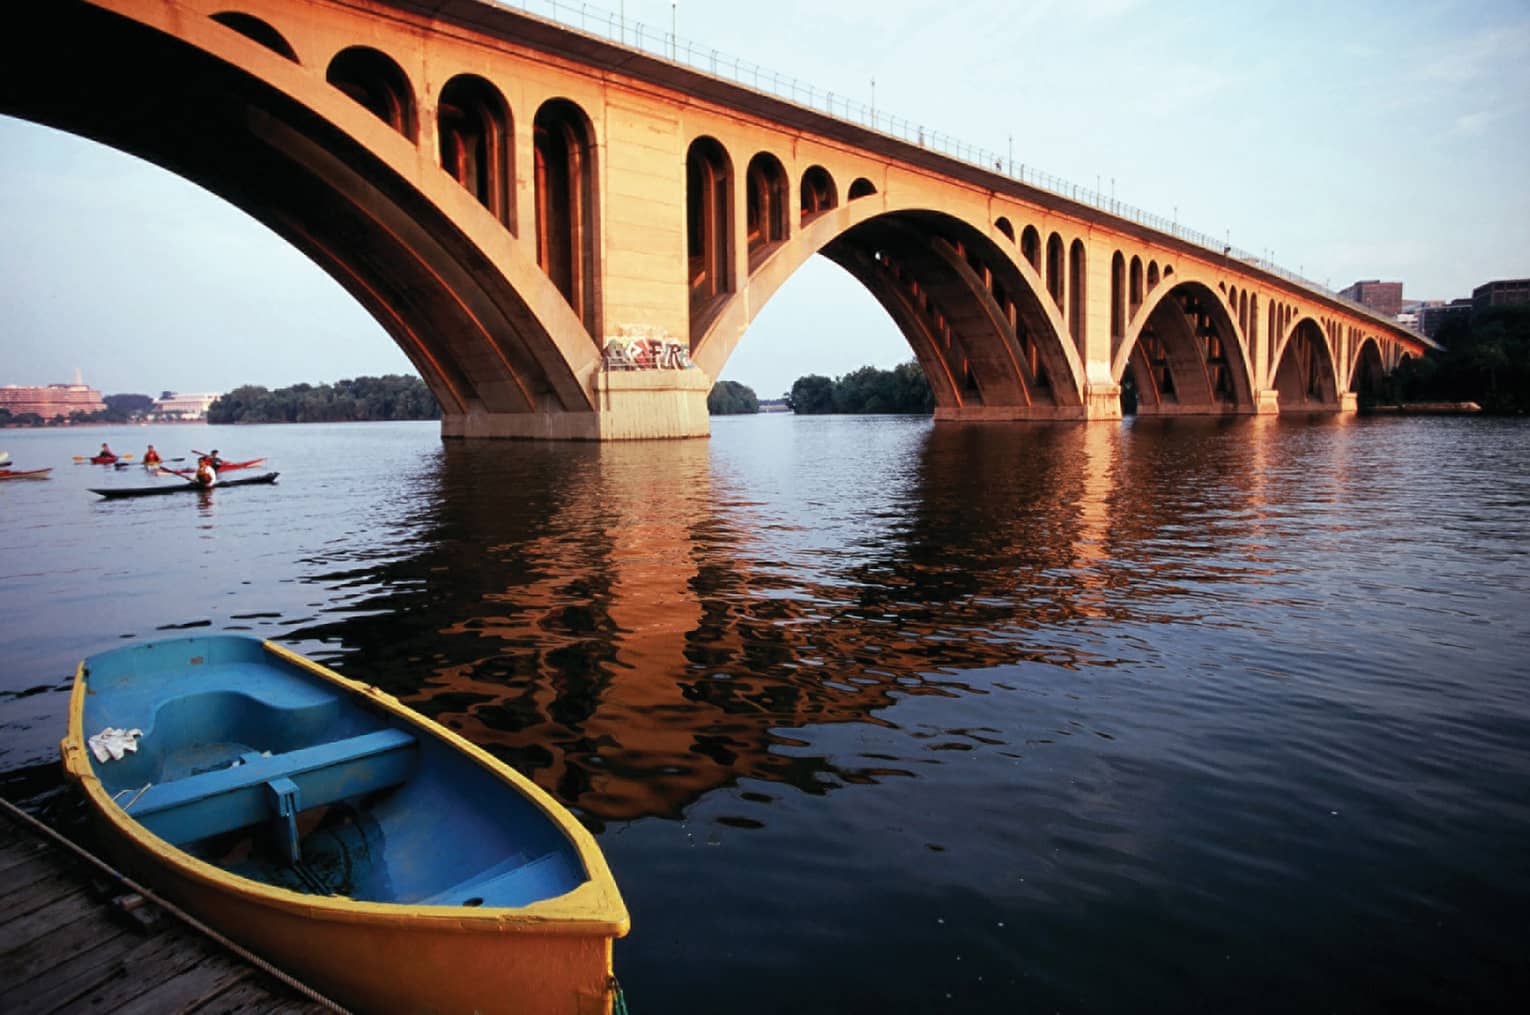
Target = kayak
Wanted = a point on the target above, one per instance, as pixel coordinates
(116, 493)
(24, 473)
(381, 858)
(230, 466)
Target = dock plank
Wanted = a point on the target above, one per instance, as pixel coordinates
(59, 948)
(64, 949)
(254, 997)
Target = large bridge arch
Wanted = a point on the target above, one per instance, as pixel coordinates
(988, 342)
(1185, 350)
(488, 331)
(1305, 373)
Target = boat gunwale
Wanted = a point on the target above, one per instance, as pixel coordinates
(595, 908)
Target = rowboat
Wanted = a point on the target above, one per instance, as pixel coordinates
(116, 493)
(381, 858)
(24, 473)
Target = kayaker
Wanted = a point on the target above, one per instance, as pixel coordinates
(217, 463)
(151, 457)
(207, 472)
(105, 451)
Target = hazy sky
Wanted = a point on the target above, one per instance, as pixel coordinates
(1356, 140)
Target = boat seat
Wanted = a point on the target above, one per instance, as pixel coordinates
(516, 882)
(277, 786)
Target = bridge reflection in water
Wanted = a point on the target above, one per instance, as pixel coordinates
(634, 625)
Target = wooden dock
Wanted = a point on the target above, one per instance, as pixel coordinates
(75, 939)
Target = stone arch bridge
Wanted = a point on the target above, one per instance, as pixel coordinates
(568, 237)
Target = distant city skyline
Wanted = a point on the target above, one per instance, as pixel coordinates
(1358, 142)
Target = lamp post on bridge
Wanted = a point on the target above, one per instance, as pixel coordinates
(674, 40)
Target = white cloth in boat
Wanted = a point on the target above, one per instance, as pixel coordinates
(111, 743)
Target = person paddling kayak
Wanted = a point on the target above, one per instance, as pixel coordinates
(151, 457)
(207, 471)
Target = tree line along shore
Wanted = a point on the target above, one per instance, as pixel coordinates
(1486, 360)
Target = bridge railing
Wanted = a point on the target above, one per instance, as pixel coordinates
(665, 44)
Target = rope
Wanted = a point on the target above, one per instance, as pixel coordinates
(21, 816)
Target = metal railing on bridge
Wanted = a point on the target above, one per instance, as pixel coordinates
(611, 26)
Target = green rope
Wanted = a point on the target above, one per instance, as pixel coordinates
(619, 1004)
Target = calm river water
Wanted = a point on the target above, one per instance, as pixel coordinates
(871, 715)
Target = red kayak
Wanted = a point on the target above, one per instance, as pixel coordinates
(225, 467)
(103, 459)
(24, 473)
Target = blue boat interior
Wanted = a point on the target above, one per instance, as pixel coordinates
(256, 765)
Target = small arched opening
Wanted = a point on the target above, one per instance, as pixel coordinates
(1002, 224)
(862, 187)
(473, 123)
(257, 30)
(563, 142)
(765, 206)
(708, 213)
(1117, 301)
(1055, 269)
(378, 84)
(1030, 247)
(818, 193)
(1077, 284)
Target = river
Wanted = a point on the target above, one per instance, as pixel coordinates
(872, 715)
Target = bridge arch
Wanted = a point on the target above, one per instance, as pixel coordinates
(1367, 373)
(1185, 352)
(328, 162)
(1305, 372)
(989, 342)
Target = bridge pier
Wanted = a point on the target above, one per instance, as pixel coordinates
(630, 405)
(1102, 400)
(1267, 402)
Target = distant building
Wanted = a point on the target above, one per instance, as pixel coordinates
(50, 401)
(1432, 318)
(1506, 293)
(1382, 297)
(180, 406)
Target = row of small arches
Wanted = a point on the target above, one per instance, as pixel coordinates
(475, 140)
(710, 232)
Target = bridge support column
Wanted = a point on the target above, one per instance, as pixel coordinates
(1102, 400)
(646, 404)
(1267, 402)
(1349, 401)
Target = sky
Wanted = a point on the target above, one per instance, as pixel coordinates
(1345, 141)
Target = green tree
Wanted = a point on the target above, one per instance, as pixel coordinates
(395, 396)
(730, 398)
(1486, 360)
(904, 389)
(812, 395)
